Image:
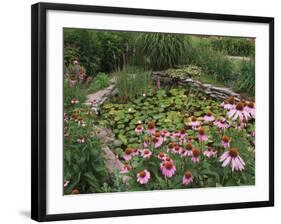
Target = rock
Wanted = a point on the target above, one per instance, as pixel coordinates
(209, 89)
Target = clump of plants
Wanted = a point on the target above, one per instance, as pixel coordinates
(132, 84)
(208, 152)
(170, 109)
(186, 71)
(246, 79)
(162, 51)
(100, 81)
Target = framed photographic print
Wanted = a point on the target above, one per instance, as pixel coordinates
(139, 111)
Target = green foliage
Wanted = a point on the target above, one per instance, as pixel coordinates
(116, 48)
(235, 46)
(246, 78)
(100, 81)
(131, 84)
(170, 110)
(212, 62)
(186, 71)
(87, 48)
(162, 51)
(83, 164)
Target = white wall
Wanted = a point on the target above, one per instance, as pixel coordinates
(15, 109)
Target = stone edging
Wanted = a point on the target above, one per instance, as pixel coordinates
(213, 91)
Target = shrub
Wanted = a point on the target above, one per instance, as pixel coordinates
(213, 63)
(246, 81)
(235, 46)
(87, 46)
(115, 50)
(161, 51)
(132, 84)
(99, 82)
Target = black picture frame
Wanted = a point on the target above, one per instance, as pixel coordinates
(39, 122)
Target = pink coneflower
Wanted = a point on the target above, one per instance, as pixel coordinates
(189, 138)
(139, 129)
(168, 168)
(65, 117)
(250, 109)
(157, 140)
(231, 157)
(188, 149)
(136, 152)
(177, 149)
(80, 122)
(165, 134)
(74, 101)
(170, 146)
(65, 132)
(229, 103)
(75, 62)
(65, 183)
(209, 152)
(222, 123)
(81, 75)
(194, 123)
(195, 153)
(182, 133)
(146, 153)
(238, 112)
(225, 141)
(209, 117)
(72, 81)
(187, 178)
(162, 156)
(146, 142)
(143, 177)
(202, 137)
(128, 154)
(125, 168)
(151, 127)
(81, 140)
(176, 134)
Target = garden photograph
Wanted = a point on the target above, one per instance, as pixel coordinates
(157, 111)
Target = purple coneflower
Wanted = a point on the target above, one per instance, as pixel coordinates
(209, 117)
(162, 156)
(125, 168)
(202, 137)
(151, 127)
(195, 153)
(128, 153)
(168, 168)
(146, 153)
(177, 149)
(221, 123)
(81, 140)
(143, 177)
(225, 141)
(74, 101)
(157, 140)
(194, 123)
(65, 183)
(209, 152)
(229, 103)
(231, 157)
(187, 178)
(139, 129)
(250, 109)
(238, 112)
(170, 146)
